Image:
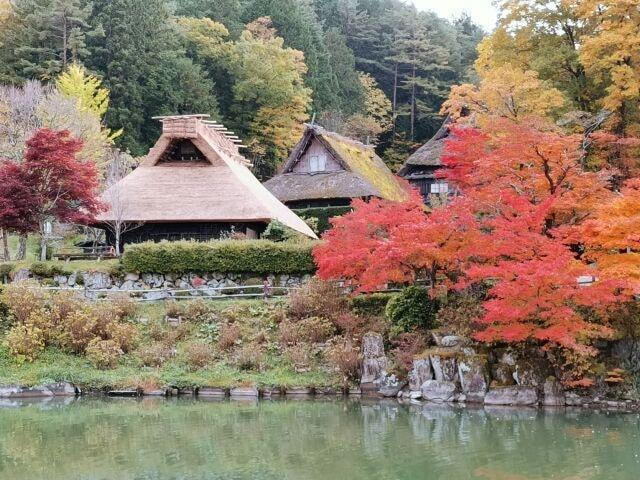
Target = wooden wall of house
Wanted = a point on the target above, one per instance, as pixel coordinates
(316, 149)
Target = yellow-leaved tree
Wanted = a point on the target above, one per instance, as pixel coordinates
(87, 89)
(269, 91)
(505, 92)
(611, 56)
(91, 103)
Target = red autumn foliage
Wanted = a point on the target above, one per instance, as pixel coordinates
(382, 241)
(530, 160)
(534, 293)
(50, 184)
(524, 192)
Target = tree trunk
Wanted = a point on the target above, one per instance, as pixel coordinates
(22, 248)
(6, 254)
(413, 100)
(395, 96)
(64, 43)
(117, 242)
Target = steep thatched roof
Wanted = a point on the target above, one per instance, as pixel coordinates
(364, 174)
(430, 153)
(216, 186)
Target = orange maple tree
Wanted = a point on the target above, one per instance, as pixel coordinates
(612, 237)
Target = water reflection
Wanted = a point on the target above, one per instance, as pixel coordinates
(155, 438)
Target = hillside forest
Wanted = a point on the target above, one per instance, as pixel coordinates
(378, 69)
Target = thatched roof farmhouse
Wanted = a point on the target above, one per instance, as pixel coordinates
(420, 168)
(327, 169)
(194, 184)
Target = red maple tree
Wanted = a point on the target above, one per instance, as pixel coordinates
(49, 185)
(382, 241)
(525, 191)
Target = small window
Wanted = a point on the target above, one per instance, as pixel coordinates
(440, 187)
(317, 163)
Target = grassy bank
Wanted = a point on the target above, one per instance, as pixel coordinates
(214, 343)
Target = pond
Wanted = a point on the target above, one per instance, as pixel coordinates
(188, 439)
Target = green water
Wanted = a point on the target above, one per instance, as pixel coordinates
(188, 439)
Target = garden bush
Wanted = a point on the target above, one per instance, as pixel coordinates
(67, 321)
(22, 298)
(322, 214)
(371, 305)
(345, 357)
(5, 271)
(259, 257)
(154, 355)
(104, 354)
(413, 308)
(198, 355)
(25, 342)
(317, 298)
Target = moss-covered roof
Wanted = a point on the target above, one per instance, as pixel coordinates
(364, 174)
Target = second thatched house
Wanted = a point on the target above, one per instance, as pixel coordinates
(193, 184)
(328, 170)
(421, 167)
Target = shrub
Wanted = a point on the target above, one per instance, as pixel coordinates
(248, 357)
(196, 310)
(344, 356)
(289, 333)
(225, 256)
(25, 342)
(123, 306)
(104, 354)
(354, 327)
(154, 355)
(413, 308)
(277, 231)
(460, 313)
(22, 298)
(63, 303)
(317, 298)
(229, 335)
(315, 329)
(370, 305)
(124, 334)
(173, 309)
(405, 347)
(198, 355)
(78, 330)
(322, 214)
(299, 356)
(5, 271)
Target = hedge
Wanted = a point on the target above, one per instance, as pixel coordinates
(258, 257)
(323, 214)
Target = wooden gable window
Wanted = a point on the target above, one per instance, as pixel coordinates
(182, 151)
(317, 163)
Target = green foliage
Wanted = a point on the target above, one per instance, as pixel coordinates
(144, 66)
(370, 305)
(48, 269)
(259, 257)
(5, 270)
(277, 231)
(323, 214)
(413, 308)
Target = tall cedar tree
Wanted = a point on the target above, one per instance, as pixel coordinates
(49, 185)
(145, 68)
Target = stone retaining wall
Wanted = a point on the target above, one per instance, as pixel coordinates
(158, 286)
